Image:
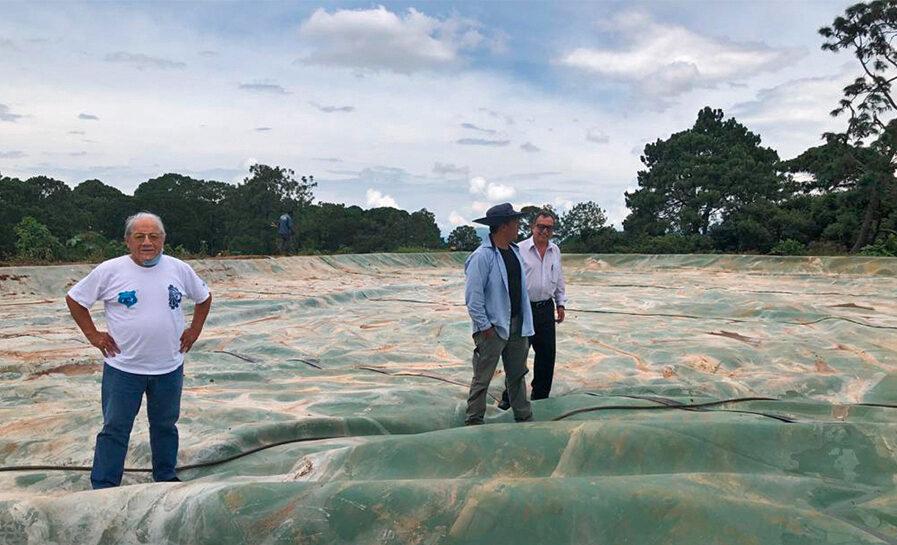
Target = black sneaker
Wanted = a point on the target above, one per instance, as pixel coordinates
(504, 404)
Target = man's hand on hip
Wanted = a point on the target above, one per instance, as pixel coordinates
(104, 342)
(188, 337)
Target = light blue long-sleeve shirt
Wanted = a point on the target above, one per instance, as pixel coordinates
(486, 292)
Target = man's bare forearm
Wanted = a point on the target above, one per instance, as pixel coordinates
(82, 317)
(200, 313)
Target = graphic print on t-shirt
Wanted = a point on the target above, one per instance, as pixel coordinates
(128, 298)
(174, 297)
(138, 305)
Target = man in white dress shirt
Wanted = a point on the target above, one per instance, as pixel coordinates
(547, 294)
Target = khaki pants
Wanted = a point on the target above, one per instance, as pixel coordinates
(513, 354)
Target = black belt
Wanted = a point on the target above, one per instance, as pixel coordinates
(540, 304)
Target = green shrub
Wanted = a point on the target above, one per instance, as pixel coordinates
(788, 247)
(34, 242)
(178, 251)
(94, 247)
(881, 248)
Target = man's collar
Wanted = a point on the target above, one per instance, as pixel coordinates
(532, 244)
(489, 243)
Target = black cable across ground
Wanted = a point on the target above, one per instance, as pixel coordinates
(669, 404)
(413, 374)
(180, 468)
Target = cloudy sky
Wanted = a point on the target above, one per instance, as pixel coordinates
(451, 106)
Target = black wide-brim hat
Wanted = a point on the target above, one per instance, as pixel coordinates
(498, 214)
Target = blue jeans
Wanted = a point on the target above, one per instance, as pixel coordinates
(121, 396)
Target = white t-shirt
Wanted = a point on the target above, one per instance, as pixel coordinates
(143, 310)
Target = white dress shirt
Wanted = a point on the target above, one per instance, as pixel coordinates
(544, 275)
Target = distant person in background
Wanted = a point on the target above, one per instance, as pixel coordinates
(143, 351)
(547, 294)
(496, 298)
(285, 232)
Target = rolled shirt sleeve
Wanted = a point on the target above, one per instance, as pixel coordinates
(560, 292)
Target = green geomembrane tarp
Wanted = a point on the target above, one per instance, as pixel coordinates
(356, 368)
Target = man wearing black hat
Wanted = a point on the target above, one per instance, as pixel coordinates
(499, 308)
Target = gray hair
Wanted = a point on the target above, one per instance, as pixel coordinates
(546, 213)
(129, 223)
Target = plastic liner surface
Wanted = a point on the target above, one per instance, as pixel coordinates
(356, 367)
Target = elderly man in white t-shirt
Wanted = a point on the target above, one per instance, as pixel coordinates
(143, 351)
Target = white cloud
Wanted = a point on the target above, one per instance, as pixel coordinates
(375, 199)
(562, 204)
(796, 101)
(595, 135)
(492, 191)
(529, 147)
(480, 207)
(786, 114)
(380, 39)
(250, 162)
(457, 219)
(14, 154)
(477, 184)
(668, 59)
(499, 192)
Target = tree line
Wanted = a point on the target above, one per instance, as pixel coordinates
(42, 219)
(711, 188)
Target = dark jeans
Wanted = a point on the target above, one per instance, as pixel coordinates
(285, 244)
(543, 343)
(121, 396)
